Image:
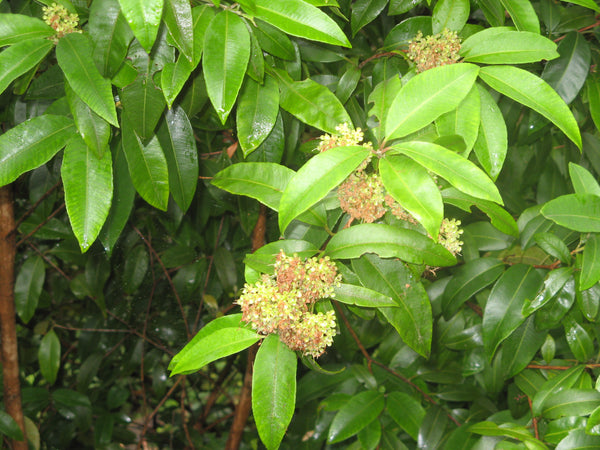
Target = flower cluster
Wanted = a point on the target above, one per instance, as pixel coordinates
(283, 303)
(60, 20)
(344, 137)
(449, 235)
(433, 51)
(362, 196)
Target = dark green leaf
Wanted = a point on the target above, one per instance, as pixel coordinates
(553, 283)
(432, 428)
(579, 340)
(364, 12)
(356, 414)
(406, 412)
(579, 212)
(21, 57)
(9, 428)
(28, 287)
(523, 15)
(554, 246)
(15, 28)
(351, 294)
(274, 41)
(520, 347)
(571, 402)
(143, 17)
(179, 21)
(49, 356)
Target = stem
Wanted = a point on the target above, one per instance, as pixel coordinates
(8, 328)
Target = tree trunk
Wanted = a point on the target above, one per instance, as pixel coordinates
(8, 329)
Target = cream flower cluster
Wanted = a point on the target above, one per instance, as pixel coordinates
(60, 20)
(434, 51)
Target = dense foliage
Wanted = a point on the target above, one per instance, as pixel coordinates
(392, 204)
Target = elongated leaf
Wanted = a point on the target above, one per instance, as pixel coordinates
(21, 57)
(177, 140)
(427, 96)
(579, 340)
(173, 77)
(15, 28)
(274, 41)
(502, 313)
(530, 90)
(412, 316)
(492, 141)
(10, 428)
(351, 294)
(32, 143)
(583, 181)
(388, 242)
(571, 402)
(553, 283)
(590, 265)
(301, 19)
(143, 16)
(256, 112)
(523, 15)
(463, 121)
(264, 182)
(458, 171)
(504, 46)
(593, 93)
(432, 428)
(49, 356)
(148, 168)
(225, 58)
(28, 287)
(412, 187)
(578, 438)
(564, 380)
(316, 178)
(568, 73)
(382, 96)
(450, 14)
(520, 347)
(406, 412)
(273, 390)
(579, 212)
(312, 103)
(179, 21)
(360, 410)
(74, 55)
(202, 16)
(364, 12)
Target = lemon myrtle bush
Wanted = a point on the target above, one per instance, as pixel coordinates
(300, 223)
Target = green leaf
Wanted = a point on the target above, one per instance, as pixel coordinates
(49, 356)
(432, 428)
(179, 21)
(28, 287)
(177, 141)
(202, 16)
(590, 265)
(530, 90)
(579, 212)
(579, 340)
(143, 16)
(517, 432)
(16, 28)
(263, 181)
(492, 141)
(406, 412)
(583, 181)
(301, 19)
(571, 402)
(523, 15)
(370, 436)
(110, 34)
(364, 12)
(225, 58)
(501, 45)
(468, 280)
(274, 41)
(388, 242)
(88, 190)
(74, 55)
(554, 246)
(427, 96)
(94, 130)
(502, 314)
(463, 121)
(9, 428)
(564, 380)
(264, 258)
(351, 294)
(411, 317)
(588, 301)
(520, 347)
(554, 282)
(568, 73)
(256, 112)
(173, 77)
(578, 438)
(31, 144)
(593, 94)
(412, 187)
(450, 14)
(21, 57)
(273, 390)
(356, 414)
(135, 269)
(147, 167)
(222, 337)
(382, 96)
(312, 103)
(316, 178)
(458, 171)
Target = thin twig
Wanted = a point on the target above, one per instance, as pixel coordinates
(40, 225)
(34, 207)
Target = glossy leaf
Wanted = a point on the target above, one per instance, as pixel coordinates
(273, 390)
(143, 16)
(450, 14)
(579, 340)
(28, 287)
(31, 144)
(458, 171)
(225, 58)
(554, 246)
(427, 96)
(583, 181)
(554, 282)
(351, 294)
(579, 212)
(388, 242)
(520, 347)
(301, 19)
(492, 141)
(21, 57)
(406, 412)
(432, 428)
(49, 356)
(177, 141)
(593, 93)
(173, 77)
(590, 265)
(382, 96)
(412, 187)
(316, 178)
(256, 112)
(15, 28)
(463, 121)
(578, 438)
(274, 41)
(10, 428)
(563, 380)
(571, 402)
(179, 22)
(523, 15)
(532, 91)
(88, 190)
(502, 314)
(356, 414)
(364, 12)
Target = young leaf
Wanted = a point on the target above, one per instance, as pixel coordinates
(463, 121)
(28, 287)
(571, 402)
(143, 16)
(579, 212)
(273, 390)
(530, 90)
(15, 28)
(225, 58)
(49, 356)
(492, 140)
(21, 57)
(316, 178)
(351, 294)
(450, 14)
(583, 181)
(32, 143)
(360, 411)
(523, 15)
(590, 264)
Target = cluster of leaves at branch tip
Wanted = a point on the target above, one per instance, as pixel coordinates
(60, 20)
(433, 51)
(283, 303)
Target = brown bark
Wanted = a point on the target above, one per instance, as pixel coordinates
(8, 329)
